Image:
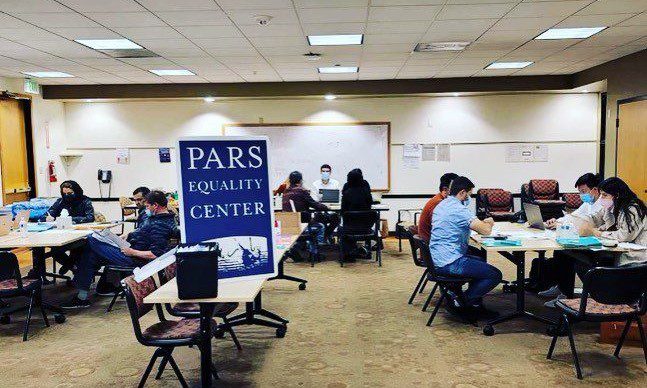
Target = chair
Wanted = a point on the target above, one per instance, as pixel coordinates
(402, 226)
(545, 194)
(13, 285)
(608, 294)
(127, 214)
(114, 274)
(495, 203)
(192, 310)
(443, 282)
(164, 335)
(360, 225)
(99, 217)
(418, 261)
(572, 201)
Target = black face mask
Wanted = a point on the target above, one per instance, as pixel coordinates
(69, 197)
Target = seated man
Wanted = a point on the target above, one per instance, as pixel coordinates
(139, 196)
(147, 242)
(298, 199)
(424, 222)
(448, 245)
(330, 220)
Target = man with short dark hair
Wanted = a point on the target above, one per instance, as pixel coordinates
(147, 242)
(139, 196)
(424, 222)
(451, 224)
(326, 182)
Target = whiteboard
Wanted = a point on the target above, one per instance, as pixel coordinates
(305, 147)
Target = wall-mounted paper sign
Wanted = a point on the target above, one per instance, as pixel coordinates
(225, 196)
(165, 155)
(123, 155)
(519, 153)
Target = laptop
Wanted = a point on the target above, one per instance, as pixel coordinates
(533, 215)
(329, 195)
(21, 214)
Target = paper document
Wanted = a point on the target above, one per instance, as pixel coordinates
(154, 266)
(108, 237)
(631, 246)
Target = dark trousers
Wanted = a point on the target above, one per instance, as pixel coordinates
(570, 262)
(60, 256)
(330, 220)
(96, 254)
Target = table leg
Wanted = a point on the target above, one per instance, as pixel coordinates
(252, 309)
(206, 366)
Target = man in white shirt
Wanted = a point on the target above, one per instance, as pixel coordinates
(326, 182)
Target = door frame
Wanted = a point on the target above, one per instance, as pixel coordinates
(621, 102)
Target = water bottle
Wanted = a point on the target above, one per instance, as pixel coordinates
(566, 230)
(22, 227)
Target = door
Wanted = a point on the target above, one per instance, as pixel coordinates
(13, 152)
(632, 143)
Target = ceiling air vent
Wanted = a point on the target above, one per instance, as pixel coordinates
(440, 46)
(312, 56)
(130, 53)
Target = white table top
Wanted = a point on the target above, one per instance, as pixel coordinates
(49, 238)
(97, 225)
(234, 291)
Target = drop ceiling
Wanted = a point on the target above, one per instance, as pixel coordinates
(220, 40)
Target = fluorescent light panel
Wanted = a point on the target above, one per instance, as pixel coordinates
(109, 44)
(335, 40)
(338, 69)
(171, 72)
(47, 74)
(508, 65)
(569, 33)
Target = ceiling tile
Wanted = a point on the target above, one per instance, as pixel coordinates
(388, 48)
(412, 39)
(272, 30)
(415, 27)
(232, 51)
(8, 21)
(533, 23)
(283, 50)
(548, 9)
(103, 5)
(178, 5)
(638, 20)
(339, 77)
(26, 34)
(594, 20)
(157, 44)
(140, 33)
(57, 19)
(407, 2)
(601, 7)
(18, 6)
(474, 11)
(509, 37)
(330, 3)
(85, 33)
(194, 18)
(332, 15)
(285, 41)
(615, 36)
(402, 13)
(333, 28)
(126, 19)
(226, 31)
(189, 51)
(385, 56)
(254, 4)
(221, 42)
(279, 16)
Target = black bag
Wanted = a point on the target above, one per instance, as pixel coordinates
(543, 279)
(197, 272)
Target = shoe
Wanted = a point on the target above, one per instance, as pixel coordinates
(76, 303)
(64, 269)
(552, 292)
(453, 307)
(551, 303)
(484, 313)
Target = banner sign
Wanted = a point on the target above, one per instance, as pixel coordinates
(225, 196)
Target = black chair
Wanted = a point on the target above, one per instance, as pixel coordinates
(443, 282)
(114, 274)
(417, 261)
(361, 225)
(12, 285)
(608, 294)
(164, 335)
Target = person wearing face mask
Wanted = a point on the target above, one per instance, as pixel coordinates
(452, 221)
(147, 242)
(424, 222)
(326, 182)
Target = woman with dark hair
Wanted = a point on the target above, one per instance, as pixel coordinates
(630, 213)
(356, 196)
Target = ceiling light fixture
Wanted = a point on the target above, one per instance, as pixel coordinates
(109, 44)
(335, 40)
(47, 74)
(569, 33)
(330, 97)
(338, 69)
(180, 72)
(507, 65)
(440, 46)
(456, 94)
(209, 99)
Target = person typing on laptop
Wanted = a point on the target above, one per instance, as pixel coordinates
(330, 220)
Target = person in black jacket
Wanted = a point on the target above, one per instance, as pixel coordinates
(356, 196)
(78, 206)
(147, 242)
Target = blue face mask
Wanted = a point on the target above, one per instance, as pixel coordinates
(325, 175)
(148, 212)
(466, 201)
(587, 198)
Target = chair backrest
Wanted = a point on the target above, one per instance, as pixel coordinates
(9, 268)
(424, 253)
(135, 294)
(544, 189)
(616, 285)
(494, 200)
(99, 217)
(572, 200)
(123, 202)
(359, 221)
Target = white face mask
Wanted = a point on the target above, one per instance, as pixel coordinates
(606, 203)
(325, 175)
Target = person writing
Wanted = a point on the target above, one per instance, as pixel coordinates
(452, 221)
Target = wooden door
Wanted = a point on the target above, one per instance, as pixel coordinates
(13, 152)
(632, 146)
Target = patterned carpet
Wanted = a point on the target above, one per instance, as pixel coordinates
(352, 327)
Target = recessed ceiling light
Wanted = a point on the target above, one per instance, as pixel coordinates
(570, 33)
(507, 65)
(441, 46)
(330, 97)
(171, 72)
(209, 99)
(109, 44)
(335, 40)
(47, 74)
(456, 94)
(338, 69)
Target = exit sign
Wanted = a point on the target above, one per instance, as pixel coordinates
(31, 86)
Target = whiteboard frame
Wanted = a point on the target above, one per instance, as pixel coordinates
(328, 124)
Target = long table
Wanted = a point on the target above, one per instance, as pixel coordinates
(244, 291)
(532, 240)
(336, 207)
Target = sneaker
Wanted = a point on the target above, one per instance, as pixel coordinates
(551, 303)
(552, 292)
(76, 303)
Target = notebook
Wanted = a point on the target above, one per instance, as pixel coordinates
(589, 241)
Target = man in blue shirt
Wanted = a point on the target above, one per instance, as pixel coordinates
(450, 232)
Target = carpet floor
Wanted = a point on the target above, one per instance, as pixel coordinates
(351, 327)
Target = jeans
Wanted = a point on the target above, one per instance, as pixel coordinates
(485, 276)
(330, 220)
(319, 230)
(95, 255)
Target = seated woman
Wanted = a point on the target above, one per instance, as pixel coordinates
(79, 207)
(630, 216)
(356, 196)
